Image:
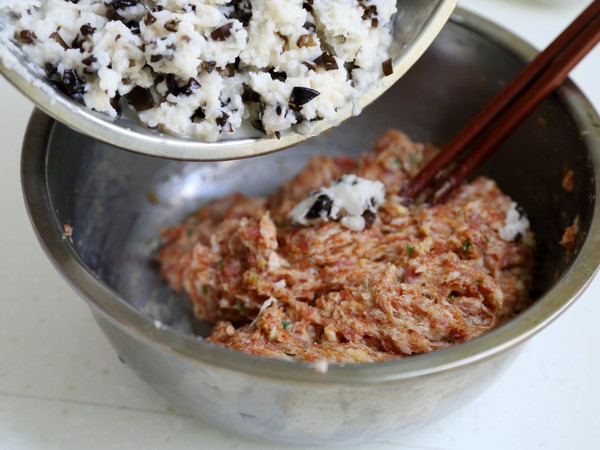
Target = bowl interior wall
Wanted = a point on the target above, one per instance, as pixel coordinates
(116, 201)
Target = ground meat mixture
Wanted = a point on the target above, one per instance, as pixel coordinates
(200, 67)
(413, 280)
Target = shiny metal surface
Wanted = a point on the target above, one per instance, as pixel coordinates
(416, 25)
(115, 201)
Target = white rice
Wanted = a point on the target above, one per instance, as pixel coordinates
(515, 223)
(347, 200)
(276, 63)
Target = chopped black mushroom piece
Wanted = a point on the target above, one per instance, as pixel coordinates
(310, 27)
(221, 33)
(155, 58)
(369, 217)
(228, 70)
(222, 119)
(369, 12)
(59, 39)
(111, 13)
(280, 76)
(242, 11)
(198, 115)
(307, 5)
(140, 98)
(149, 19)
(133, 26)
(89, 60)
(87, 30)
(326, 61)
(350, 66)
(27, 37)
(77, 43)
(190, 87)
(387, 67)
(306, 40)
(51, 69)
(297, 113)
(172, 25)
(285, 39)
(209, 66)
(114, 102)
(249, 95)
(124, 3)
(172, 85)
(72, 84)
(171, 47)
(321, 205)
(302, 95)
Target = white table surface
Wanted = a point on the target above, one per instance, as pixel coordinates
(62, 386)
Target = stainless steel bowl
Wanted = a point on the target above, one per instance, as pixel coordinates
(415, 26)
(115, 201)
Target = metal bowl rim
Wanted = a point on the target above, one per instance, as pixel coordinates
(108, 305)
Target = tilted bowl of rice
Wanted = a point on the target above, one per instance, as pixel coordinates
(210, 80)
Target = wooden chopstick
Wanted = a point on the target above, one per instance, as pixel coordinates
(520, 109)
(525, 92)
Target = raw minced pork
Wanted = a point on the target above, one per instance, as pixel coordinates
(199, 67)
(417, 280)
